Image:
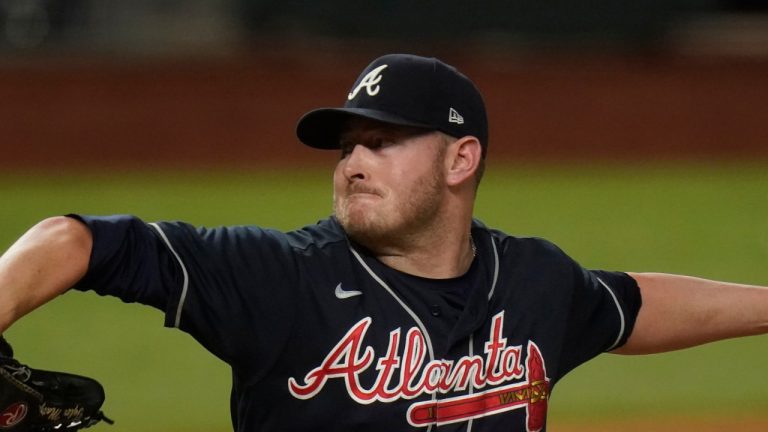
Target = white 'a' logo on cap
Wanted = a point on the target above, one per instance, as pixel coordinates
(370, 81)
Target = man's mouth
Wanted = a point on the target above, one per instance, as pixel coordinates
(362, 191)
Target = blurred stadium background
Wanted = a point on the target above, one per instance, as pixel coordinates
(173, 109)
(216, 82)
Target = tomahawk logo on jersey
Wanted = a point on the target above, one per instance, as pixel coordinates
(322, 336)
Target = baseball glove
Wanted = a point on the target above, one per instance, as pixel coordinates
(33, 400)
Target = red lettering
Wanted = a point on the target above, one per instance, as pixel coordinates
(466, 368)
(493, 347)
(412, 376)
(413, 358)
(430, 378)
(342, 361)
(511, 363)
(386, 367)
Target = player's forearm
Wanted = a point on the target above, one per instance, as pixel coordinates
(46, 261)
(682, 311)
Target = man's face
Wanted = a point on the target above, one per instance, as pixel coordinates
(390, 181)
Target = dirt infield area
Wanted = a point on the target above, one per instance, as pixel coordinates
(669, 425)
(242, 110)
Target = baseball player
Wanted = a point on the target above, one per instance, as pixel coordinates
(400, 312)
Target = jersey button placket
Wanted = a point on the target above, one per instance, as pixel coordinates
(435, 310)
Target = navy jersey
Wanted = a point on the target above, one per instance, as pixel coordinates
(322, 336)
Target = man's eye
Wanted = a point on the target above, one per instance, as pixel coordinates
(346, 148)
(376, 143)
(383, 142)
(373, 144)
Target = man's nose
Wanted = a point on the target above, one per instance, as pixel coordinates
(357, 163)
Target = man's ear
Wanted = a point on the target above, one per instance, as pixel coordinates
(463, 159)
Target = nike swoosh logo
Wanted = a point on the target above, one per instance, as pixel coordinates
(344, 294)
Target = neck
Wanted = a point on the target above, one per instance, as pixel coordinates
(442, 255)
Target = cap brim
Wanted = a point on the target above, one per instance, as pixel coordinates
(321, 128)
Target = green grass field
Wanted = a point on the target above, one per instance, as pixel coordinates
(708, 220)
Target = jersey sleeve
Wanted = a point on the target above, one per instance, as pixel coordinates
(601, 314)
(231, 288)
(128, 261)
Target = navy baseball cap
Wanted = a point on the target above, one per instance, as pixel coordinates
(405, 90)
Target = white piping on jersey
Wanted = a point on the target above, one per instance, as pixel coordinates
(495, 268)
(185, 284)
(402, 303)
(421, 325)
(471, 388)
(621, 314)
(410, 312)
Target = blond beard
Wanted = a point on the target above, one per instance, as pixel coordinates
(412, 216)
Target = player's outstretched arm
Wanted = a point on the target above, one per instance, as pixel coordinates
(683, 311)
(46, 261)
